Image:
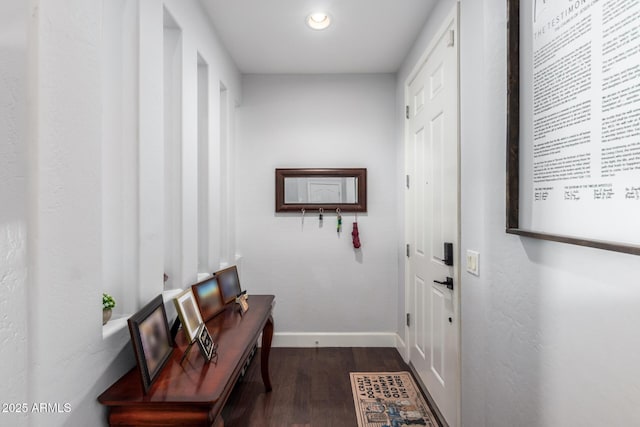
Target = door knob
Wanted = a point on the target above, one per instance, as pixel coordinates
(448, 282)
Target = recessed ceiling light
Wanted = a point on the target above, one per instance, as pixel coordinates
(318, 21)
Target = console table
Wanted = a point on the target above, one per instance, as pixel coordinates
(193, 393)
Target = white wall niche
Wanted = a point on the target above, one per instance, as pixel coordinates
(203, 165)
(119, 154)
(173, 107)
(226, 213)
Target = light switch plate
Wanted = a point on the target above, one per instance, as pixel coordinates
(473, 262)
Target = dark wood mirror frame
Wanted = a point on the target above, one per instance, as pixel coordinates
(359, 173)
(513, 147)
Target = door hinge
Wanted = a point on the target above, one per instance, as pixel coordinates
(406, 111)
(408, 181)
(408, 251)
(452, 38)
(408, 319)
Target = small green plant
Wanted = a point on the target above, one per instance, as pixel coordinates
(107, 301)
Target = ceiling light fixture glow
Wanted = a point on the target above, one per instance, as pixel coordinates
(318, 21)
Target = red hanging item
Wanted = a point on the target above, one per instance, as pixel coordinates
(356, 236)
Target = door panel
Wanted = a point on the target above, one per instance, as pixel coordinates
(420, 206)
(438, 355)
(418, 98)
(435, 188)
(437, 80)
(419, 330)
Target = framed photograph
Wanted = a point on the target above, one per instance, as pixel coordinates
(229, 283)
(205, 342)
(208, 297)
(188, 313)
(244, 303)
(572, 173)
(151, 340)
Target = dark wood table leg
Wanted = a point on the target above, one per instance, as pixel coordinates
(219, 422)
(267, 336)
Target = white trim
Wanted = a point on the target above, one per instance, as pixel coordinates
(334, 339)
(401, 346)
(170, 294)
(202, 276)
(452, 18)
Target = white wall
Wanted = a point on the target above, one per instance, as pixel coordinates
(13, 202)
(322, 285)
(67, 356)
(549, 330)
(85, 191)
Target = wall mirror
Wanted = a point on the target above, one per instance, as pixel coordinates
(329, 189)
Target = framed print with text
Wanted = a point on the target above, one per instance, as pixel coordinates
(573, 124)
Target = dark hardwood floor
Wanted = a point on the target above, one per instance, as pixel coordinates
(311, 387)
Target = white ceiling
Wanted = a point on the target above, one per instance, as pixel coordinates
(270, 36)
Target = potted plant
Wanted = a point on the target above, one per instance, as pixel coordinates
(107, 305)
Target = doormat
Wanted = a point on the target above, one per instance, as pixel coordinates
(389, 399)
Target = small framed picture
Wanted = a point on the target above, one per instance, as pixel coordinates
(208, 297)
(243, 300)
(188, 313)
(205, 342)
(151, 340)
(229, 283)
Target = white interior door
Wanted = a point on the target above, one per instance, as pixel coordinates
(433, 219)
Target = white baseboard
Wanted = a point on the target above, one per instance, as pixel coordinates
(401, 347)
(334, 339)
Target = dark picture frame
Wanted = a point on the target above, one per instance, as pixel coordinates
(359, 173)
(151, 339)
(208, 297)
(512, 225)
(229, 283)
(205, 343)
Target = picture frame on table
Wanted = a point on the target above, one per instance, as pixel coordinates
(189, 314)
(207, 347)
(242, 300)
(208, 297)
(151, 339)
(229, 283)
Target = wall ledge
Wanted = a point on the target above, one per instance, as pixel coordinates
(114, 326)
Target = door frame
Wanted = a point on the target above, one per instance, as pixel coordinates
(451, 18)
